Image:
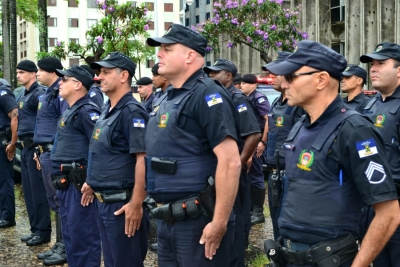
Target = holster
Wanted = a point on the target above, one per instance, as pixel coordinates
(207, 197)
(273, 250)
(78, 176)
(163, 213)
(113, 196)
(275, 185)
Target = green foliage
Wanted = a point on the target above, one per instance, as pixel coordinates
(259, 24)
(28, 9)
(123, 28)
(259, 260)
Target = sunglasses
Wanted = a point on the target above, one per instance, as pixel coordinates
(290, 77)
(64, 79)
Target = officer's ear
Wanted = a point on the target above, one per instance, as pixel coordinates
(360, 81)
(322, 79)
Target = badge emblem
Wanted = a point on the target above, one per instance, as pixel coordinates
(107, 57)
(170, 28)
(379, 48)
(21, 104)
(97, 133)
(155, 109)
(295, 49)
(347, 69)
(241, 107)
(216, 62)
(138, 123)
(306, 159)
(213, 99)
(163, 120)
(92, 94)
(94, 116)
(279, 121)
(62, 124)
(379, 120)
(4, 92)
(40, 105)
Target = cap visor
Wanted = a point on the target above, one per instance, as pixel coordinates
(347, 74)
(157, 41)
(98, 65)
(62, 73)
(267, 66)
(369, 57)
(208, 69)
(283, 68)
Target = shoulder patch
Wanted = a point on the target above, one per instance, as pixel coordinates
(138, 123)
(375, 173)
(94, 116)
(261, 100)
(92, 94)
(213, 99)
(367, 148)
(241, 107)
(3, 92)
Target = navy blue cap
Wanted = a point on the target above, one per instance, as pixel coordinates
(222, 64)
(249, 78)
(383, 51)
(154, 69)
(355, 70)
(280, 56)
(237, 79)
(314, 55)
(180, 34)
(116, 60)
(79, 73)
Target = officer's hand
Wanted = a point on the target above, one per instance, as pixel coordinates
(36, 158)
(10, 150)
(87, 195)
(248, 164)
(260, 149)
(212, 236)
(133, 217)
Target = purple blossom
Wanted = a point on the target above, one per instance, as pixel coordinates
(304, 35)
(273, 27)
(235, 21)
(266, 36)
(229, 44)
(146, 27)
(259, 32)
(244, 2)
(99, 39)
(278, 44)
(58, 43)
(248, 39)
(255, 24)
(104, 6)
(193, 28)
(260, 1)
(111, 9)
(279, 2)
(208, 48)
(287, 15)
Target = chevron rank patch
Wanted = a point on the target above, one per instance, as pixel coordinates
(375, 173)
(138, 123)
(94, 116)
(241, 107)
(367, 148)
(213, 99)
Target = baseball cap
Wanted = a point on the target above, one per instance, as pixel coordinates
(79, 73)
(355, 70)
(222, 64)
(280, 56)
(237, 79)
(180, 34)
(383, 51)
(314, 55)
(249, 78)
(116, 60)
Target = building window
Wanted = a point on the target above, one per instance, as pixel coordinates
(187, 7)
(52, 22)
(91, 4)
(187, 22)
(337, 10)
(52, 42)
(72, 3)
(51, 2)
(74, 40)
(167, 25)
(168, 7)
(73, 61)
(150, 63)
(197, 19)
(339, 48)
(73, 23)
(208, 15)
(207, 2)
(208, 63)
(197, 3)
(150, 6)
(91, 22)
(151, 25)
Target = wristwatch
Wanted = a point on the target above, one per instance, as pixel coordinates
(263, 142)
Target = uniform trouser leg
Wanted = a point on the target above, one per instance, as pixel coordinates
(48, 182)
(274, 210)
(35, 194)
(246, 207)
(178, 244)
(79, 228)
(237, 246)
(119, 250)
(7, 198)
(256, 172)
(389, 256)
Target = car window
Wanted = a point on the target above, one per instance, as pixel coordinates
(269, 92)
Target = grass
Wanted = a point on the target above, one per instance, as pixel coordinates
(257, 257)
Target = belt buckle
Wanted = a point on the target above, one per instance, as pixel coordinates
(40, 149)
(98, 196)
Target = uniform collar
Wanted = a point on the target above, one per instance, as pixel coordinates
(34, 86)
(83, 99)
(189, 84)
(122, 101)
(331, 111)
(55, 84)
(396, 94)
(359, 98)
(232, 89)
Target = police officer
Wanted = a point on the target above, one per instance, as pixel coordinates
(192, 136)
(261, 109)
(32, 180)
(49, 110)
(237, 80)
(281, 119)
(160, 83)
(116, 167)
(95, 93)
(249, 135)
(335, 162)
(383, 110)
(8, 138)
(354, 78)
(145, 90)
(69, 162)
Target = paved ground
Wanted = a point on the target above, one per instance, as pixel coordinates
(14, 253)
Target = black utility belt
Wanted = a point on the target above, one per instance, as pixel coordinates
(331, 253)
(3, 134)
(45, 148)
(26, 143)
(112, 196)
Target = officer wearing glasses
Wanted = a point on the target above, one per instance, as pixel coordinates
(335, 163)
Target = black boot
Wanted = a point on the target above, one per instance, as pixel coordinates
(257, 216)
(51, 251)
(58, 257)
(253, 196)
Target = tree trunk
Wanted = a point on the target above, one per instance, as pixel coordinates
(6, 40)
(14, 48)
(42, 25)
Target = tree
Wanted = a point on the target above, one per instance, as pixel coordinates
(6, 40)
(13, 50)
(42, 25)
(123, 28)
(28, 10)
(259, 24)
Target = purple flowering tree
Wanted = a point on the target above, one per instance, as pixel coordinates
(259, 24)
(123, 28)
